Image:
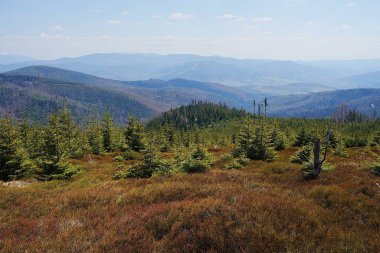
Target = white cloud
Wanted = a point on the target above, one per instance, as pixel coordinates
(125, 13)
(157, 16)
(231, 17)
(113, 22)
(262, 20)
(54, 36)
(56, 28)
(351, 4)
(180, 16)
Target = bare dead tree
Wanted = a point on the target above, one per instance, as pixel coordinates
(340, 113)
(318, 162)
(265, 107)
(259, 110)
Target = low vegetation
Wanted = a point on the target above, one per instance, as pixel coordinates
(235, 186)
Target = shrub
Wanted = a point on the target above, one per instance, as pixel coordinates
(237, 163)
(118, 158)
(339, 151)
(375, 168)
(59, 171)
(198, 162)
(302, 155)
(279, 144)
(356, 142)
(308, 169)
(149, 165)
(129, 155)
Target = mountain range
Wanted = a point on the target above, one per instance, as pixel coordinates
(265, 76)
(39, 87)
(294, 89)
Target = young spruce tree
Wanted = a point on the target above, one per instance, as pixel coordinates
(62, 140)
(14, 160)
(134, 134)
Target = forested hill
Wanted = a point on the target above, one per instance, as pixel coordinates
(158, 95)
(323, 104)
(36, 97)
(197, 114)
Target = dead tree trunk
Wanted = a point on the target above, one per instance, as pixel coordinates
(317, 151)
(317, 160)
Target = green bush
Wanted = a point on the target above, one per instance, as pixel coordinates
(61, 170)
(118, 158)
(375, 168)
(198, 162)
(302, 155)
(279, 144)
(308, 169)
(356, 142)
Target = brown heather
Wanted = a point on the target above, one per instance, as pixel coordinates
(265, 207)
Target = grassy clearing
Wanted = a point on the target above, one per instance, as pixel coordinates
(265, 207)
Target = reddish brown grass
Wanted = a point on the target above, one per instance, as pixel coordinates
(265, 207)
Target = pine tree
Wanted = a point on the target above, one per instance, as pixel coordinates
(196, 162)
(245, 138)
(95, 137)
(302, 138)
(303, 155)
(276, 140)
(258, 149)
(168, 137)
(150, 164)
(14, 159)
(253, 145)
(134, 134)
(108, 132)
(62, 140)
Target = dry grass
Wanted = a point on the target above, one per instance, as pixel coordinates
(265, 207)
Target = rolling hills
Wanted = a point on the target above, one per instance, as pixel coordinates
(41, 87)
(370, 80)
(36, 97)
(322, 104)
(271, 76)
(228, 71)
(150, 96)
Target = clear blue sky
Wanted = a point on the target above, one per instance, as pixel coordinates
(272, 29)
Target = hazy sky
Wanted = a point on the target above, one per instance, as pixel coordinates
(271, 29)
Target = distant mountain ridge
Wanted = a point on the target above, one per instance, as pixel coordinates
(250, 73)
(156, 95)
(36, 97)
(224, 70)
(40, 87)
(323, 104)
(368, 80)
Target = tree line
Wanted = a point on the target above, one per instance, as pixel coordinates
(45, 151)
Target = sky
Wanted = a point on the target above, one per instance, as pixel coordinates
(260, 29)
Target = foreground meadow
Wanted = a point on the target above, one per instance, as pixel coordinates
(264, 207)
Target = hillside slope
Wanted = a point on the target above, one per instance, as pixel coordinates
(158, 95)
(368, 80)
(36, 97)
(323, 104)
